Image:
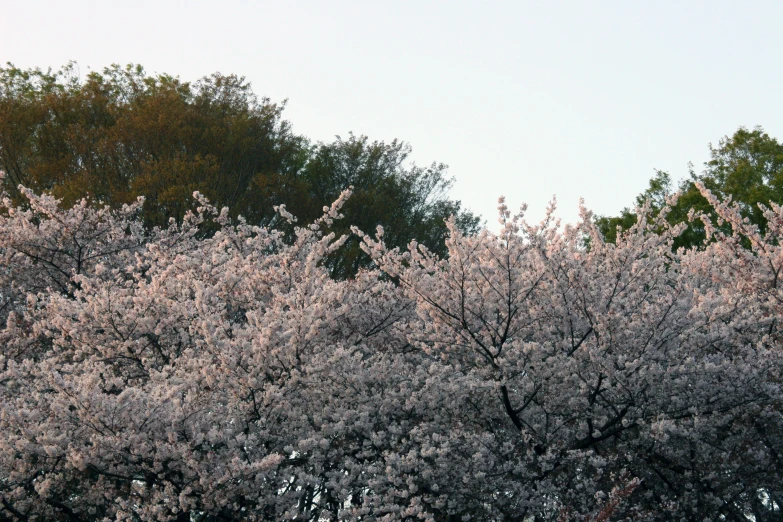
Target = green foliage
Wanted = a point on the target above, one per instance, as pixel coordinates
(746, 167)
(657, 192)
(122, 133)
(408, 201)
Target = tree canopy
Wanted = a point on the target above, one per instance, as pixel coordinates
(167, 375)
(121, 133)
(746, 167)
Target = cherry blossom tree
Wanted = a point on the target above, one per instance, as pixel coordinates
(212, 370)
(190, 381)
(587, 365)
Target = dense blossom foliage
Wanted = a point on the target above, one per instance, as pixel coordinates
(173, 374)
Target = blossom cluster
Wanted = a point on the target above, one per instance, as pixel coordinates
(212, 370)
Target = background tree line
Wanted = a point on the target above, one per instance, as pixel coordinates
(746, 167)
(121, 133)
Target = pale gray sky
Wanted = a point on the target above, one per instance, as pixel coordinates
(526, 99)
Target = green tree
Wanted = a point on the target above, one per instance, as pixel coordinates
(407, 200)
(747, 167)
(660, 187)
(121, 133)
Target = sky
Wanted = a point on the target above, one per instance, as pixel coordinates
(522, 99)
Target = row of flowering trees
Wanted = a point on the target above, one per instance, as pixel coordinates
(171, 374)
